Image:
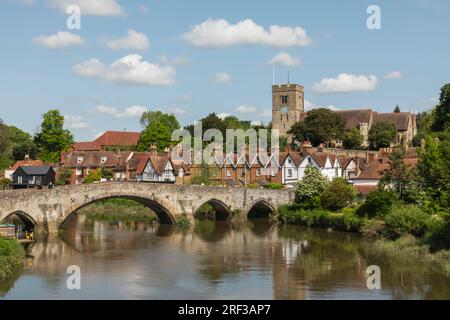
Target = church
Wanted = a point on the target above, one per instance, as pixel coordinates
(288, 107)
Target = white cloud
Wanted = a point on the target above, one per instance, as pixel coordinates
(394, 75)
(285, 59)
(222, 78)
(223, 115)
(246, 109)
(131, 69)
(267, 113)
(91, 7)
(255, 123)
(221, 34)
(75, 122)
(178, 111)
(62, 39)
(310, 106)
(130, 112)
(345, 83)
(134, 40)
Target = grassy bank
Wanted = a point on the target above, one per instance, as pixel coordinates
(12, 257)
(119, 210)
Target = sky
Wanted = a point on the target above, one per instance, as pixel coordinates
(195, 57)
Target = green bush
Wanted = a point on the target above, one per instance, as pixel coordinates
(378, 204)
(406, 220)
(310, 188)
(5, 184)
(12, 256)
(372, 228)
(274, 186)
(338, 195)
(94, 176)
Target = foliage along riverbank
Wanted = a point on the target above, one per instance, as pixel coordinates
(119, 210)
(12, 256)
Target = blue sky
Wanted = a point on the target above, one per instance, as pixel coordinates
(196, 57)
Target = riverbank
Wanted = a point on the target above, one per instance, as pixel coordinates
(119, 210)
(405, 230)
(12, 256)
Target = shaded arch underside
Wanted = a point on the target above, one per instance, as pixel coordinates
(26, 219)
(164, 216)
(261, 210)
(221, 211)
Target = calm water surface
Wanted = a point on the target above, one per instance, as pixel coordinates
(216, 261)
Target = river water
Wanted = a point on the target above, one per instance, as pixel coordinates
(258, 260)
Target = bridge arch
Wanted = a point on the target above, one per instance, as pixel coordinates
(164, 215)
(221, 210)
(28, 221)
(261, 209)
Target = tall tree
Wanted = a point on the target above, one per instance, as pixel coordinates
(353, 139)
(320, 126)
(168, 120)
(382, 134)
(156, 133)
(442, 112)
(21, 144)
(53, 138)
(397, 109)
(5, 146)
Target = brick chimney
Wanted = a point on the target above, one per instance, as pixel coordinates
(306, 147)
(153, 150)
(321, 148)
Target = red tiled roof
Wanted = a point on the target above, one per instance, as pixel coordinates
(118, 138)
(27, 163)
(365, 190)
(92, 159)
(345, 161)
(86, 146)
(320, 158)
(375, 170)
(295, 156)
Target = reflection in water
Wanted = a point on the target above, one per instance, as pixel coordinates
(217, 260)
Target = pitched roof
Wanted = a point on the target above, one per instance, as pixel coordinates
(86, 146)
(354, 118)
(93, 159)
(36, 170)
(118, 138)
(295, 156)
(399, 119)
(26, 163)
(345, 161)
(375, 170)
(320, 158)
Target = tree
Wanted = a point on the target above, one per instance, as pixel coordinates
(353, 139)
(382, 134)
(53, 138)
(107, 174)
(5, 146)
(320, 126)
(5, 184)
(378, 204)
(442, 112)
(21, 144)
(64, 177)
(93, 176)
(156, 133)
(397, 109)
(168, 120)
(401, 178)
(310, 188)
(338, 195)
(434, 171)
(424, 122)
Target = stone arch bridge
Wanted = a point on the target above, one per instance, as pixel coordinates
(49, 208)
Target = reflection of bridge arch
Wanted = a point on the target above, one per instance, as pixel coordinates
(26, 219)
(222, 211)
(261, 209)
(164, 216)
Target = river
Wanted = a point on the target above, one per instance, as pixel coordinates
(216, 260)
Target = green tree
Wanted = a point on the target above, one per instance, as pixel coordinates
(204, 175)
(156, 133)
(353, 139)
(378, 204)
(424, 121)
(5, 146)
(168, 120)
(5, 184)
(107, 173)
(320, 126)
(64, 177)
(21, 144)
(382, 134)
(442, 111)
(401, 178)
(53, 138)
(397, 109)
(338, 195)
(93, 176)
(310, 188)
(434, 171)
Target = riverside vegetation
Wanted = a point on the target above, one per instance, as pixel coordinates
(12, 257)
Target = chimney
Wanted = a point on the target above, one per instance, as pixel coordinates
(153, 150)
(320, 148)
(306, 147)
(27, 157)
(367, 157)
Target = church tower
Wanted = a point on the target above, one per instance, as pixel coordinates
(288, 106)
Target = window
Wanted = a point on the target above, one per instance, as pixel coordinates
(289, 161)
(88, 170)
(103, 159)
(309, 160)
(19, 179)
(79, 159)
(32, 181)
(284, 99)
(258, 172)
(228, 173)
(167, 175)
(242, 173)
(79, 172)
(289, 173)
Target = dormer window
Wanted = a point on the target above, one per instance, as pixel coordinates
(103, 159)
(79, 160)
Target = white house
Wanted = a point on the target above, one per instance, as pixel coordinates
(157, 169)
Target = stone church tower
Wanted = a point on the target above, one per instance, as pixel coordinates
(288, 106)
